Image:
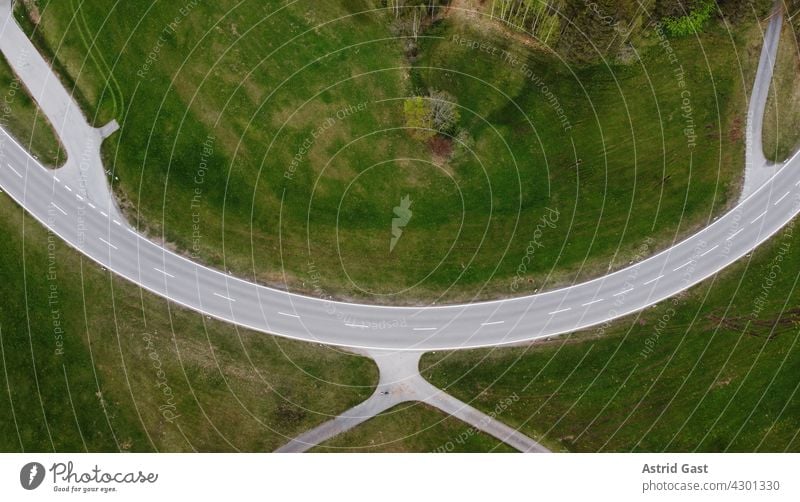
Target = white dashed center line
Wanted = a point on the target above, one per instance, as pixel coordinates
(651, 281)
(758, 217)
(15, 171)
(356, 325)
(491, 323)
(734, 234)
(623, 292)
(559, 311)
(424, 329)
(55, 206)
(225, 297)
(161, 271)
(712, 249)
(682, 266)
(107, 243)
(68, 188)
(289, 315)
(779, 200)
(592, 302)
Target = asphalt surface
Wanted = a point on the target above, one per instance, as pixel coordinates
(98, 233)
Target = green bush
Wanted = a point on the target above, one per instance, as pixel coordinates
(690, 23)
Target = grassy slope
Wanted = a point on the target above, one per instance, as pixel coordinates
(717, 372)
(20, 116)
(215, 76)
(782, 118)
(413, 428)
(234, 390)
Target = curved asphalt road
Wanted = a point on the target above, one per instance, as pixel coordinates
(114, 245)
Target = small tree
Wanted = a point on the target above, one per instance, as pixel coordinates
(418, 115)
(444, 113)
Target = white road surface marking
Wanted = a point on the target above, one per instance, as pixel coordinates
(758, 217)
(592, 302)
(712, 249)
(682, 266)
(734, 234)
(651, 281)
(779, 200)
(62, 211)
(425, 329)
(165, 273)
(107, 243)
(289, 315)
(356, 325)
(104, 214)
(68, 188)
(624, 291)
(225, 297)
(15, 171)
(559, 311)
(491, 323)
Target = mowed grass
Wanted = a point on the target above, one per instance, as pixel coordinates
(92, 363)
(713, 370)
(20, 116)
(782, 118)
(266, 84)
(413, 428)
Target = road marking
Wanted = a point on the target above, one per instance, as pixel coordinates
(62, 211)
(225, 297)
(68, 188)
(491, 323)
(758, 217)
(712, 249)
(559, 311)
(355, 325)
(425, 329)
(56, 178)
(289, 315)
(779, 200)
(104, 214)
(15, 171)
(118, 223)
(107, 243)
(592, 302)
(734, 234)
(682, 266)
(92, 205)
(159, 270)
(651, 281)
(623, 292)
(132, 231)
(79, 197)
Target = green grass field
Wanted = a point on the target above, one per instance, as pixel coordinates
(92, 363)
(257, 83)
(20, 116)
(414, 428)
(715, 369)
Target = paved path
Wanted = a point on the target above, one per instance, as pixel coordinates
(83, 170)
(758, 170)
(401, 382)
(80, 216)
